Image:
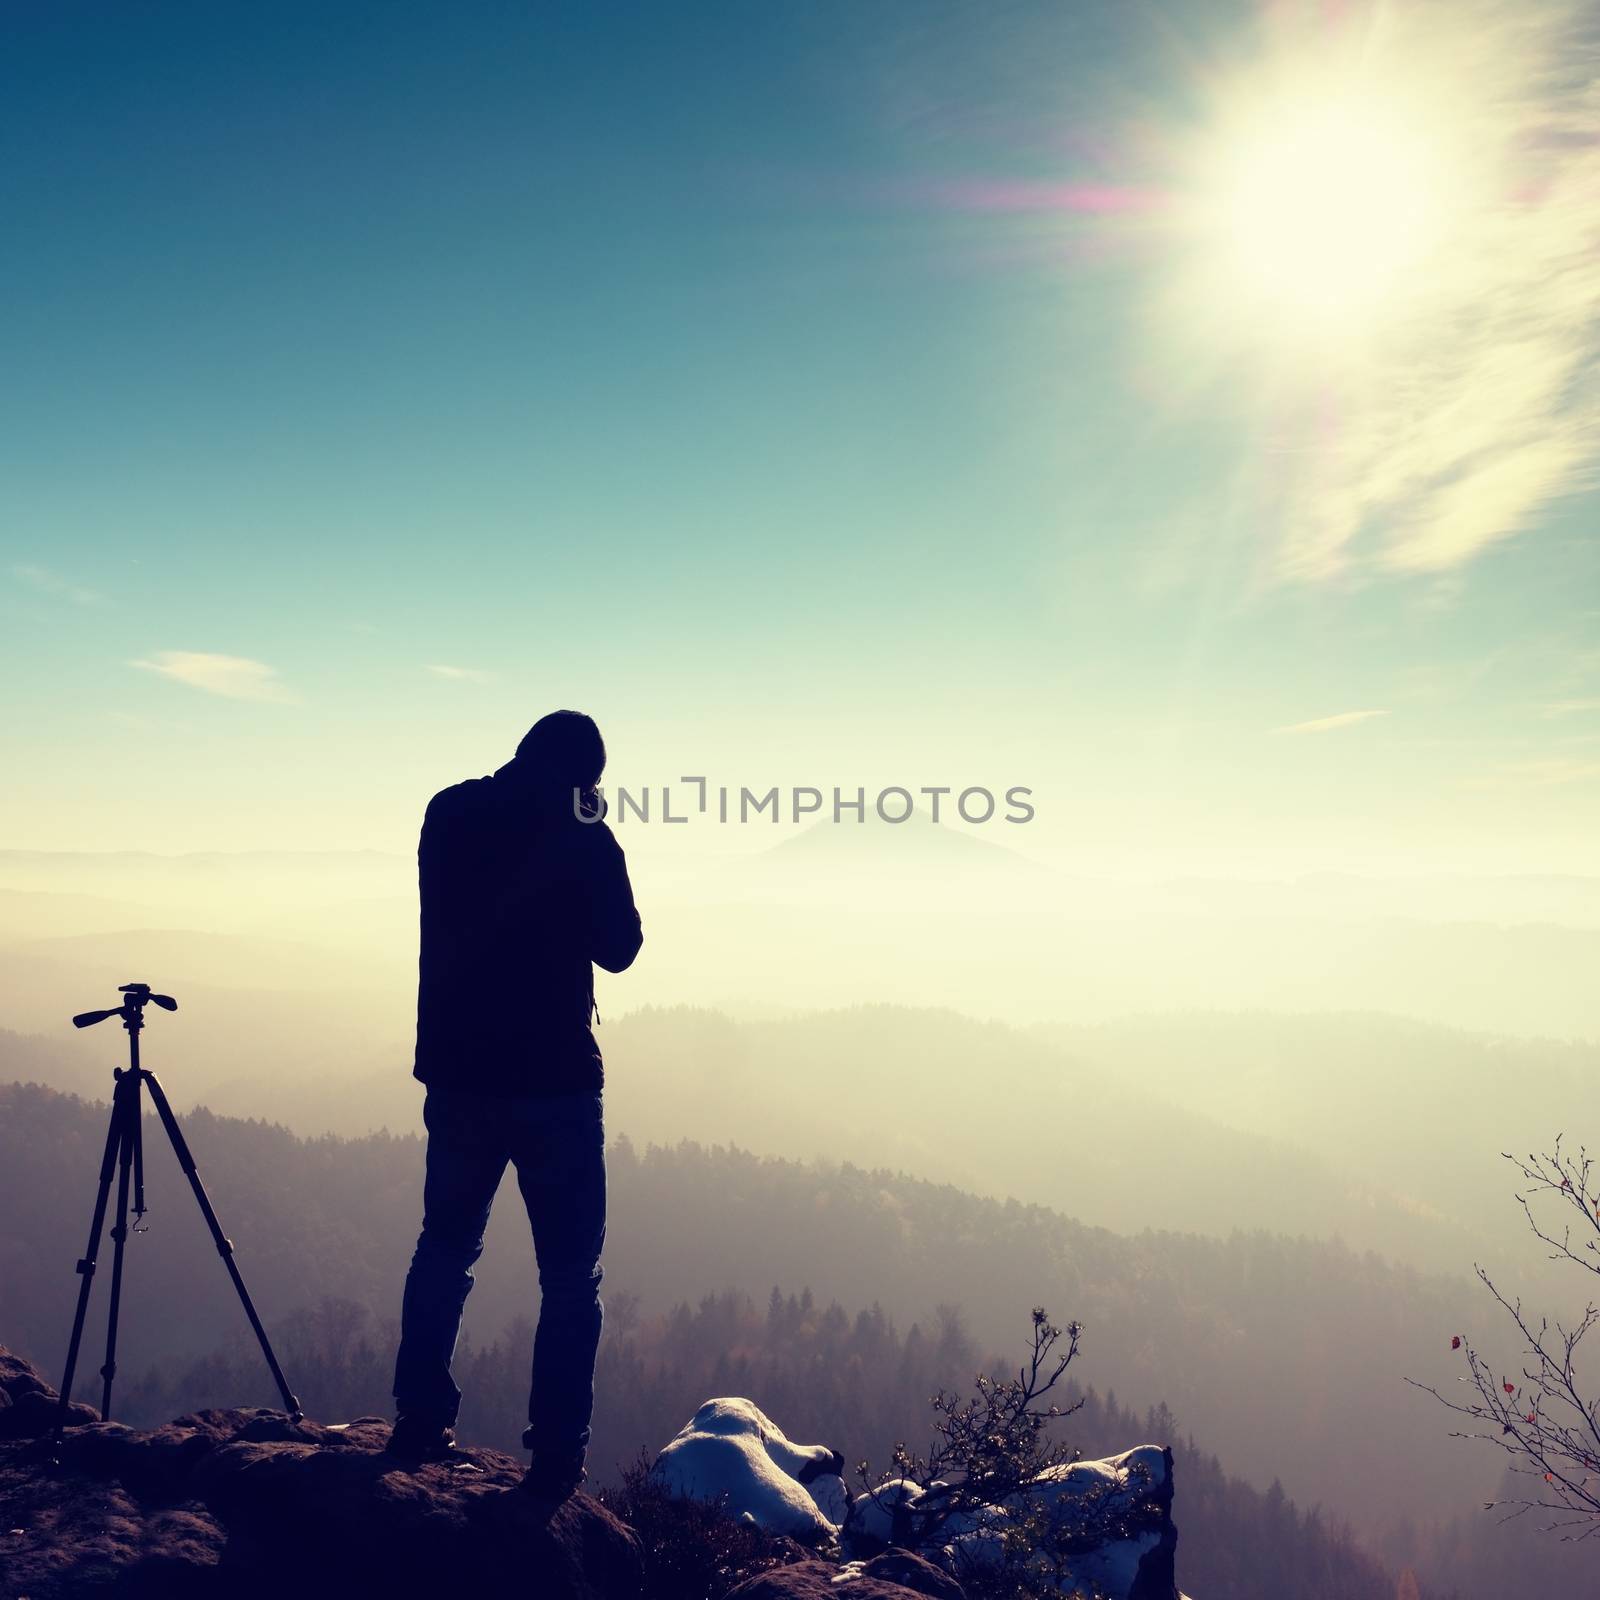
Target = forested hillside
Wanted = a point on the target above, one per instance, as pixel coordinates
(856, 1383)
(1285, 1356)
(1230, 1117)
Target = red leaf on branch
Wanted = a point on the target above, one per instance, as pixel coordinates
(1455, 1343)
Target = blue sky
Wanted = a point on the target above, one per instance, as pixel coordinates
(779, 382)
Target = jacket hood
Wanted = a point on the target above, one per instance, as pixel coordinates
(546, 792)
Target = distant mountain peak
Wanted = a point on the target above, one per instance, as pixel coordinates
(918, 841)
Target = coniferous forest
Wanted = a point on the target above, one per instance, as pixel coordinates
(841, 1328)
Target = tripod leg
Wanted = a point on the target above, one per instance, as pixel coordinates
(119, 1234)
(86, 1264)
(223, 1243)
(138, 1172)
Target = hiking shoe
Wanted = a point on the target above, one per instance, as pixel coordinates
(416, 1441)
(552, 1482)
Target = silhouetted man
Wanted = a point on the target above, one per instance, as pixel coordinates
(523, 886)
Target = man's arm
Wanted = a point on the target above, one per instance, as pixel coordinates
(441, 880)
(432, 876)
(615, 932)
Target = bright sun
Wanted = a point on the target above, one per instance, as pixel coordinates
(1329, 210)
(1374, 230)
(1321, 209)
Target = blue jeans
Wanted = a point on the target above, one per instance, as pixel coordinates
(557, 1145)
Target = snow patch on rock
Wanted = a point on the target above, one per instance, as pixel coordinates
(1129, 1496)
(731, 1451)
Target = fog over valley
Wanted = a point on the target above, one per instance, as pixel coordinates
(874, 1108)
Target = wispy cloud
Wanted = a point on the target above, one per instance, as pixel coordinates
(1340, 719)
(459, 674)
(1484, 412)
(43, 581)
(1422, 442)
(233, 677)
(1543, 773)
(1569, 708)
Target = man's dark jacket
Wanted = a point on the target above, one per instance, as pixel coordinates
(518, 898)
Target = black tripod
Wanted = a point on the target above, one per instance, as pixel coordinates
(125, 1151)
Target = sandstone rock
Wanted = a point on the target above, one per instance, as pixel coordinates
(250, 1504)
(32, 1414)
(822, 1580)
(18, 1378)
(912, 1572)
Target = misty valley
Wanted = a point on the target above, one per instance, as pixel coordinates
(791, 1217)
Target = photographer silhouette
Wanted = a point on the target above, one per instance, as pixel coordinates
(523, 887)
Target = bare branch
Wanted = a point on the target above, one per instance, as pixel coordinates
(1547, 1430)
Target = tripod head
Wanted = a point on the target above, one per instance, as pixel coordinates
(131, 1010)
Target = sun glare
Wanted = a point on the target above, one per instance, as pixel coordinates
(1320, 209)
(1325, 212)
